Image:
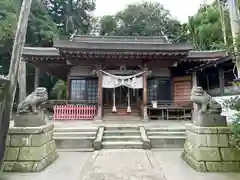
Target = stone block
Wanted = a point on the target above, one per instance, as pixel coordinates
(8, 140)
(198, 166)
(210, 120)
(198, 139)
(230, 154)
(224, 130)
(30, 130)
(217, 140)
(202, 153)
(11, 153)
(8, 166)
(23, 166)
(223, 166)
(207, 154)
(20, 140)
(29, 120)
(189, 148)
(201, 130)
(42, 138)
(41, 165)
(49, 148)
(31, 153)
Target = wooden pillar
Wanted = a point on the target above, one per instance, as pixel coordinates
(36, 78)
(221, 81)
(100, 94)
(194, 84)
(22, 80)
(145, 97)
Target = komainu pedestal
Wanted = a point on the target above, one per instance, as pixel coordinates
(30, 146)
(208, 149)
(29, 149)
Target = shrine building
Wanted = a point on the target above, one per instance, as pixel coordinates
(143, 77)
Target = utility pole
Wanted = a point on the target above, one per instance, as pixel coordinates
(235, 27)
(22, 80)
(36, 77)
(222, 18)
(18, 45)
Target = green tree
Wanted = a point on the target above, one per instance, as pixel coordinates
(141, 19)
(8, 23)
(60, 90)
(205, 28)
(71, 15)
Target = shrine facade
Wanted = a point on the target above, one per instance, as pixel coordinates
(130, 75)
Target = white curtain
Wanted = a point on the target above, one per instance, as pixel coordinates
(113, 81)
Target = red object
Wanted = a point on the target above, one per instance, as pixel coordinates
(74, 112)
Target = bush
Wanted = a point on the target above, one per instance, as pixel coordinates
(234, 104)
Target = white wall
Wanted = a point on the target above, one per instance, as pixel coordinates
(226, 111)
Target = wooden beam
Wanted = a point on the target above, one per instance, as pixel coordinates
(100, 95)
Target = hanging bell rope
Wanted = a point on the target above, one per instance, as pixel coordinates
(114, 109)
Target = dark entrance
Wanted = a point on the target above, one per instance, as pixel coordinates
(121, 96)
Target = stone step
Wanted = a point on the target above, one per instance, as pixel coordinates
(166, 129)
(75, 134)
(136, 114)
(87, 129)
(74, 142)
(121, 133)
(166, 133)
(121, 118)
(122, 145)
(120, 128)
(167, 141)
(121, 138)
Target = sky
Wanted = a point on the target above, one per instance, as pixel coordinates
(180, 9)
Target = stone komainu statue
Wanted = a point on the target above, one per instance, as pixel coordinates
(206, 104)
(33, 101)
(208, 112)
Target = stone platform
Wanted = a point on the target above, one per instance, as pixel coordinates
(208, 149)
(29, 149)
(122, 164)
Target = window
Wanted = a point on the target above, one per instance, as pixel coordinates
(92, 90)
(84, 90)
(159, 89)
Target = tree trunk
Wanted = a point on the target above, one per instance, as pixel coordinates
(13, 73)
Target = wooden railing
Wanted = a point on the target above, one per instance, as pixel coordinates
(74, 112)
(171, 110)
(169, 103)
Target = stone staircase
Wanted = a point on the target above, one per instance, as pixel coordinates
(121, 137)
(75, 139)
(166, 137)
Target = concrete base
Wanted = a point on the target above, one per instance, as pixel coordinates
(29, 149)
(208, 149)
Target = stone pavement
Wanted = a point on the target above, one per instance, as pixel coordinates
(120, 164)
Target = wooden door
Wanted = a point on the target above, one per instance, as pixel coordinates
(182, 90)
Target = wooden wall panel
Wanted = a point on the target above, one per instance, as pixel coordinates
(182, 90)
